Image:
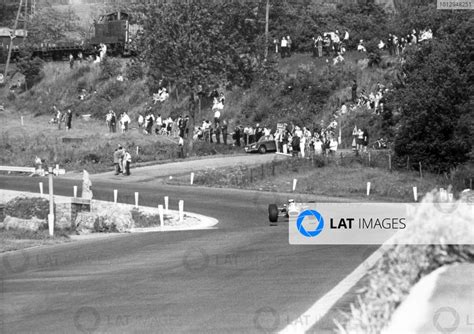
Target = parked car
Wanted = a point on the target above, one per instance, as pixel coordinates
(264, 145)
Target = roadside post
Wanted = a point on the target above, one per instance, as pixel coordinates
(75, 191)
(294, 184)
(415, 194)
(115, 196)
(160, 211)
(181, 210)
(368, 188)
(136, 199)
(41, 188)
(56, 171)
(192, 178)
(166, 204)
(51, 202)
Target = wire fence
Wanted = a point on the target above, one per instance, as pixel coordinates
(381, 159)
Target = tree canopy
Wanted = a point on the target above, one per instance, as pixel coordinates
(434, 124)
(196, 45)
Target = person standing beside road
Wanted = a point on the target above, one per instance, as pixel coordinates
(118, 156)
(127, 160)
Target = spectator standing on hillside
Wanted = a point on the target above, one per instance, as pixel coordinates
(108, 120)
(71, 61)
(124, 121)
(140, 121)
(365, 140)
(288, 49)
(80, 57)
(69, 119)
(354, 91)
(318, 145)
(283, 46)
(126, 161)
(224, 131)
(236, 136)
(355, 134)
(118, 157)
(58, 116)
(319, 42)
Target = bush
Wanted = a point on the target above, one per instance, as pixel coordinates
(27, 208)
(110, 68)
(79, 73)
(32, 69)
(134, 71)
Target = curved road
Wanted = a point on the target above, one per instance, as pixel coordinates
(241, 277)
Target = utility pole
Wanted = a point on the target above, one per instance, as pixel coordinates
(267, 16)
(12, 36)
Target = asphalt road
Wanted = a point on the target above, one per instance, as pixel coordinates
(241, 277)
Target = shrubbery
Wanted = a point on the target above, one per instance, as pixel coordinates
(27, 208)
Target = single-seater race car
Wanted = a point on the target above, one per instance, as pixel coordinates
(286, 210)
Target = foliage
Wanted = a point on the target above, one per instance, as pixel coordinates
(110, 68)
(27, 208)
(196, 45)
(50, 25)
(433, 106)
(134, 70)
(31, 68)
(363, 20)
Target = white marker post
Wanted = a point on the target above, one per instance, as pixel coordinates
(22, 122)
(56, 172)
(181, 210)
(192, 178)
(136, 199)
(450, 197)
(294, 184)
(51, 203)
(75, 191)
(415, 194)
(41, 188)
(368, 188)
(137, 150)
(160, 211)
(166, 204)
(115, 196)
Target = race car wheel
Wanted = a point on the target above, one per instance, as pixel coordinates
(262, 149)
(273, 213)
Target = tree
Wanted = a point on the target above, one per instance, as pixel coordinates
(31, 68)
(435, 123)
(197, 44)
(50, 25)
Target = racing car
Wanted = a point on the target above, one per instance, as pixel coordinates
(287, 210)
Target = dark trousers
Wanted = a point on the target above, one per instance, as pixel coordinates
(127, 168)
(117, 168)
(224, 136)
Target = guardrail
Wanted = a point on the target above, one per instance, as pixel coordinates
(31, 170)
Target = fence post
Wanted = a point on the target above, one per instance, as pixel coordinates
(390, 162)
